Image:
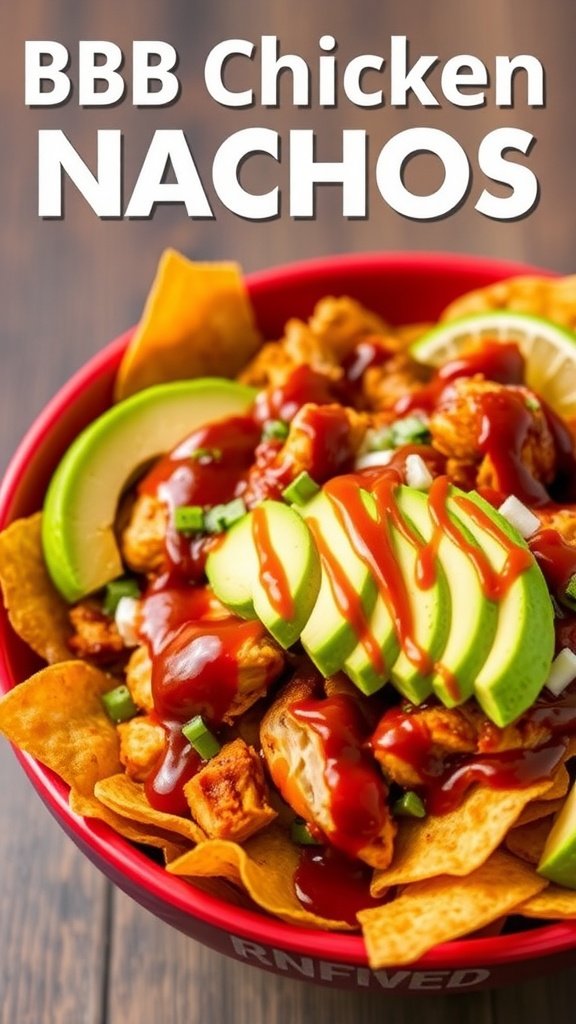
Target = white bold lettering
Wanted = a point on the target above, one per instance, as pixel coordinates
(233, 151)
(144, 73)
(36, 73)
(214, 72)
(306, 172)
(102, 191)
(521, 179)
(404, 81)
(353, 75)
(273, 65)
(389, 173)
(454, 77)
(90, 73)
(168, 148)
(506, 68)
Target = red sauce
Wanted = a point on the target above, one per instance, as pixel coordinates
(346, 596)
(165, 786)
(272, 574)
(372, 542)
(368, 353)
(214, 477)
(501, 362)
(445, 780)
(332, 885)
(518, 559)
(328, 431)
(303, 385)
(556, 558)
(196, 671)
(564, 486)
(358, 792)
(166, 609)
(506, 423)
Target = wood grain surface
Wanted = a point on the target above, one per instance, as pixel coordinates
(72, 951)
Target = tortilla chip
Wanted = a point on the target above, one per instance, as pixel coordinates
(91, 807)
(539, 809)
(127, 798)
(57, 716)
(197, 322)
(561, 781)
(35, 609)
(445, 908)
(529, 841)
(458, 842)
(549, 297)
(264, 867)
(554, 903)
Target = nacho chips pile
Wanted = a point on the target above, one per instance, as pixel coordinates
(450, 875)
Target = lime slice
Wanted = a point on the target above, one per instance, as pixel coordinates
(549, 350)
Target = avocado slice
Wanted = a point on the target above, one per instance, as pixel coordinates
(474, 617)
(78, 538)
(558, 860)
(431, 615)
(519, 660)
(430, 612)
(235, 570)
(328, 636)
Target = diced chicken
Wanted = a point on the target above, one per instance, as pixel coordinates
(142, 539)
(260, 662)
(297, 761)
(139, 679)
(458, 427)
(323, 438)
(384, 386)
(563, 520)
(340, 323)
(142, 742)
(95, 634)
(444, 732)
(228, 796)
(335, 327)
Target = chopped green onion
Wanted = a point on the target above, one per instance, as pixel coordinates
(410, 806)
(221, 517)
(207, 454)
(302, 835)
(379, 440)
(116, 590)
(118, 704)
(189, 518)
(411, 430)
(301, 489)
(199, 736)
(569, 596)
(532, 403)
(275, 430)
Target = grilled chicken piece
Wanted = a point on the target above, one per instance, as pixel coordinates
(139, 679)
(336, 326)
(384, 386)
(342, 427)
(142, 742)
(142, 539)
(228, 796)
(443, 732)
(458, 425)
(297, 761)
(95, 634)
(260, 661)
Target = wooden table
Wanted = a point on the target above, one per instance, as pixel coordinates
(72, 950)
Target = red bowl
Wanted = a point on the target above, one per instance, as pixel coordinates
(403, 287)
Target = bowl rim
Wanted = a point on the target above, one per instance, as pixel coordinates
(122, 857)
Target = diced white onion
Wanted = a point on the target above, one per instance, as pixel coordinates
(562, 672)
(126, 618)
(417, 473)
(519, 516)
(370, 459)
